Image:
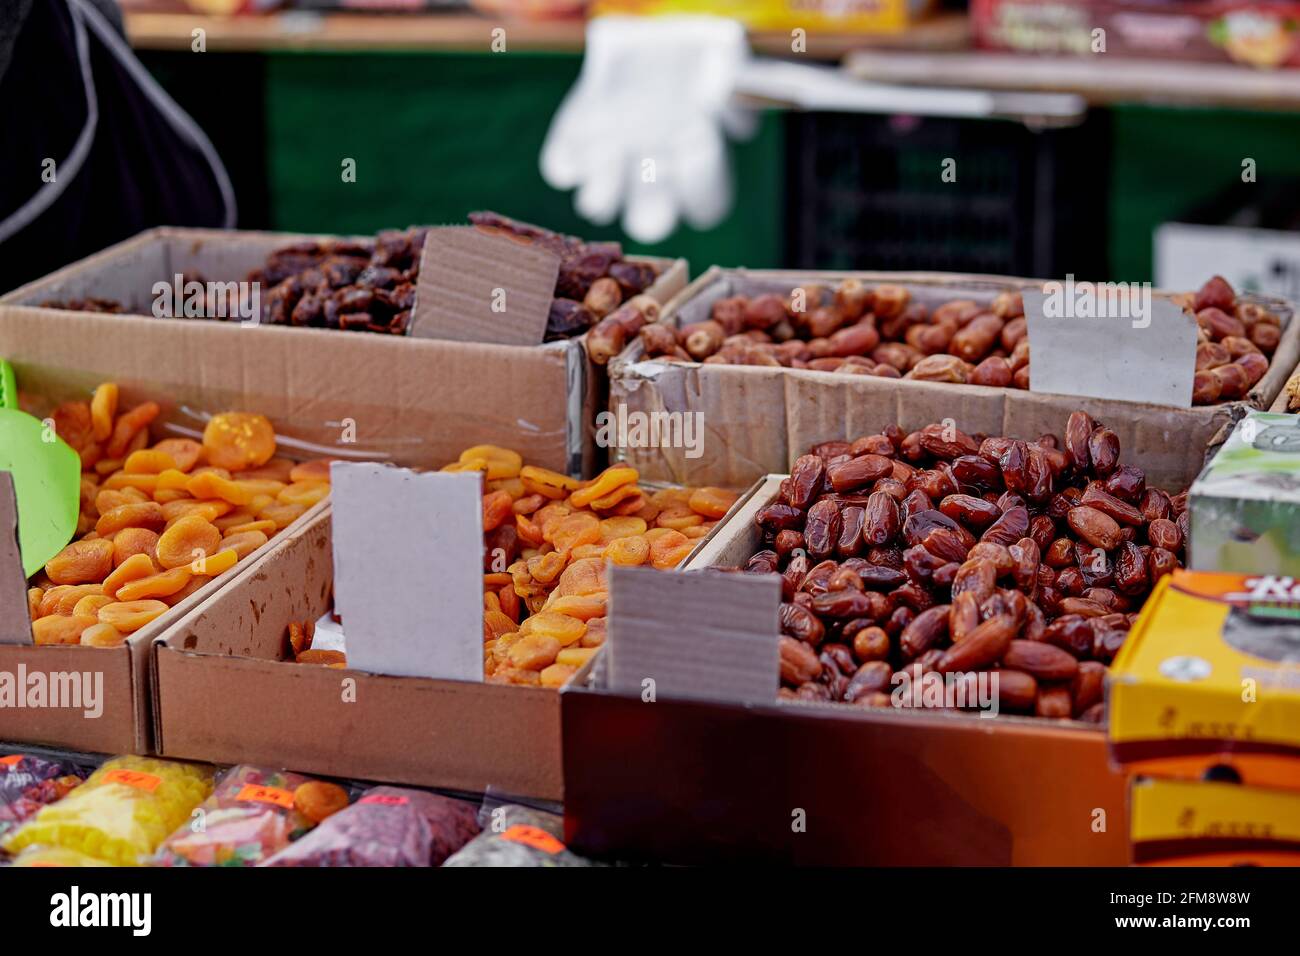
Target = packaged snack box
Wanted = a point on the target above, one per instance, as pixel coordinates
(1208, 683)
(1181, 823)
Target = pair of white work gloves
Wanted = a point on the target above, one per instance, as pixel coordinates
(645, 128)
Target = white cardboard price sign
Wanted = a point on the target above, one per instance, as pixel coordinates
(408, 570)
(1110, 340)
(707, 635)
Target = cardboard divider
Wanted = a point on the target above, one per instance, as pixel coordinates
(829, 784)
(224, 692)
(15, 625)
(413, 399)
(757, 420)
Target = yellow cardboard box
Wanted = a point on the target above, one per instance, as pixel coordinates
(1183, 823)
(854, 16)
(1208, 683)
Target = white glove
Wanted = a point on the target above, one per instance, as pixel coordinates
(643, 129)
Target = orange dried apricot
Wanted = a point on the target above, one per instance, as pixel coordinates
(215, 564)
(59, 629)
(603, 484)
(244, 543)
(631, 505)
(711, 502)
(629, 552)
(532, 652)
(678, 518)
(34, 596)
(624, 527)
(185, 453)
(547, 483)
(306, 493)
(69, 600)
(189, 537)
(316, 800)
(266, 527)
(209, 485)
(171, 479)
(577, 529)
(587, 551)
(495, 624)
(314, 469)
(283, 515)
(582, 606)
(158, 585)
(145, 514)
(196, 582)
(207, 510)
(557, 675)
(528, 531)
(89, 605)
(547, 567)
(149, 462)
(50, 599)
(501, 462)
(277, 469)
(496, 509)
(608, 503)
(595, 635)
(128, 427)
(106, 466)
(575, 656)
(103, 407)
(513, 486)
(328, 658)
(128, 616)
(131, 541)
(74, 423)
(132, 569)
(119, 480)
(239, 440)
(81, 562)
(586, 576)
(669, 550)
(233, 519)
(260, 487)
(101, 635)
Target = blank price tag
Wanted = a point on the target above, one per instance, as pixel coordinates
(408, 570)
(1110, 340)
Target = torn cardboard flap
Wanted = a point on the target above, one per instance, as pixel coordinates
(1110, 340)
(483, 287)
(408, 570)
(707, 635)
(15, 621)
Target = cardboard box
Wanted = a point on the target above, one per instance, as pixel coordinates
(828, 784)
(1206, 684)
(1253, 33)
(757, 420)
(411, 395)
(222, 693)
(1245, 505)
(1178, 823)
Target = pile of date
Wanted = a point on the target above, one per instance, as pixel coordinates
(902, 554)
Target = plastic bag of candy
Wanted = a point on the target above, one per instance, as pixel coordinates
(28, 783)
(121, 813)
(252, 814)
(518, 836)
(387, 826)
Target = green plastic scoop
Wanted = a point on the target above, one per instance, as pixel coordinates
(47, 478)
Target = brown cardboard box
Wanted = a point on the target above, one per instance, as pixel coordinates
(758, 420)
(412, 396)
(222, 693)
(727, 782)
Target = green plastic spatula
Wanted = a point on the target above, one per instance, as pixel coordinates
(47, 478)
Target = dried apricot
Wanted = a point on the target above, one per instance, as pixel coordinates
(215, 564)
(587, 551)
(628, 552)
(196, 582)
(132, 569)
(610, 502)
(184, 452)
(532, 652)
(207, 510)
(103, 407)
(147, 484)
(283, 515)
(74, 423)
(316, 800)
(495, 624)
(547, 567)
(89, 605)
(603, 484)
(496, 509)
(243, 543)
(81, 562)
(149, 462)
(528, 531)
(101, 635)
(501, 462)
(328, 658)
(239, 440)
(586, 576)
(577, 529)
(595, 635)
(159, 585)
(189, 538)
(69, 600)
(306, 493)
(678, 518)
(711, 502)
(146, 514)
(50, 599)
(209, 485)
(557, 675)
(575, 656)
(172, 479)
(612, 528)
(128, 426)
(128, 616)
(547, 483)
(34, 596)
(670, 549)
(315, 469)
(277, 469)
(59, 629)
(582, 606)
(131, 541)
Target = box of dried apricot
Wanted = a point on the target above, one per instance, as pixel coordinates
(281, 303)
(172, 502)
(767, 363)
(299, 661)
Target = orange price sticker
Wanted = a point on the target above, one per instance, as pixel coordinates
(384, 800)
(534, 837)
(11, 760)
(257, 794)
(134, 778)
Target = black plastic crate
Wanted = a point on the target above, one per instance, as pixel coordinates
(865, 192)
